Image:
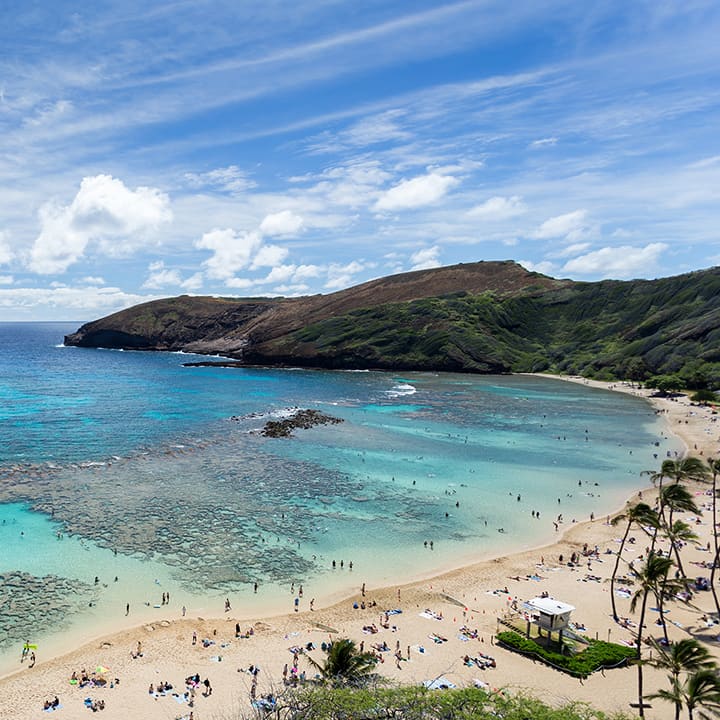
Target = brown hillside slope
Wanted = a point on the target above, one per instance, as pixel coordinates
(227, 326)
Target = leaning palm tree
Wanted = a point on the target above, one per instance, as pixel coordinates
(682, 470)
(651, 578)
(677, 533)
(676, 498)
(345, 664)
(641, 515)
(715, 469)
(685, 656)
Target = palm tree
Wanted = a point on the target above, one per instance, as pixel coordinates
(640, 514)
(715, 469)
(676, 498)
(685, 656)
(680, 532)
(681, 470)
(345, 664)
(651, 578)
(702, 689)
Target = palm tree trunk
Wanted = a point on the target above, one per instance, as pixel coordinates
(615, 570)
(715, 543)
(661, 608)
(641, 622)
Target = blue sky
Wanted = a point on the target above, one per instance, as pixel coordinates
(283, 148)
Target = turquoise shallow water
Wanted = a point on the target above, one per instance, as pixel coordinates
(128, 465)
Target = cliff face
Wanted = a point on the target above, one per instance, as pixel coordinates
(478, 317)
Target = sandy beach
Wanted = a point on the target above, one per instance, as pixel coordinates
(427, 631)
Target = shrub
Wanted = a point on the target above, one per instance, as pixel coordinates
(599, 654)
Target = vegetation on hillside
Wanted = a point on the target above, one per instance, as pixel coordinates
(412, 703)
(480, 317)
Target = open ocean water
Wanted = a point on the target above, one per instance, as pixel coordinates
(124, 475)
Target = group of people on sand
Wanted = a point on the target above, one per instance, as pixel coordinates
(51, 704)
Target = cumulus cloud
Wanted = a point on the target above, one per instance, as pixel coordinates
(419, 191)
(617, 262)
(280, 274)
(232, 251)
(281, 223)
(159, 276)
(498, 208)
(93, 280)
(268, 256)
(105, 212)
(425, 258)
(571, 225)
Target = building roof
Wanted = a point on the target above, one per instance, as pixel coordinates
(549, 606)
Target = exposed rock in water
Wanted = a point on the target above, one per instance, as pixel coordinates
(300, 420)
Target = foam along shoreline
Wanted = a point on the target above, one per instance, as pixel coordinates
(471, 596)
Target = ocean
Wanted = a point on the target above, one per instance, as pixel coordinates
(125, 476)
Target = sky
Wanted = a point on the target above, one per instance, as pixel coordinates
(275, 148)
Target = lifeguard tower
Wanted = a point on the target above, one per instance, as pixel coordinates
(548, 614)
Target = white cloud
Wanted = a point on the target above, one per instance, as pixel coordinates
(232, 251)
(305, 272)
(617, 262)
(705, 162)
(104, 211)
(419, 191)
(6, 279)
(194, 282)
(159, 276)
(229, 179)
(376, 129)
(281, 223)
(498, 208)
(269, 256)
(342, 276)
(571, 225)
(280, 274)
(291, 289)
(67, 303)
(545, 266)
(93, 280)
(6, 253)
(241, 283)
(425, 258)
(570, 250)
(544, 142)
